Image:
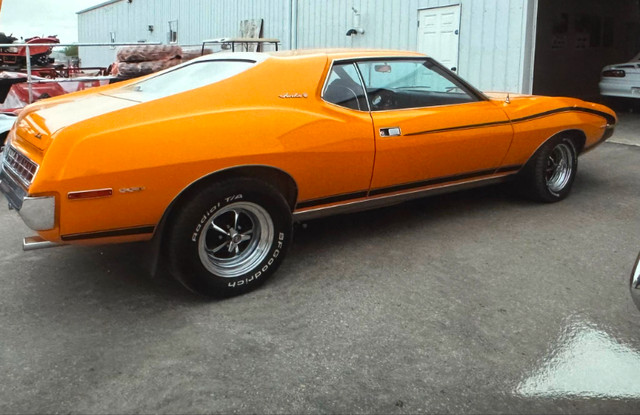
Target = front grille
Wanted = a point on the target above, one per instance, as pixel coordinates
(20, 165)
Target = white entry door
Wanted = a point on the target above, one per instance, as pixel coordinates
(438, 32)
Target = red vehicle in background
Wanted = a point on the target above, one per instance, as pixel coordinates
(17, 55)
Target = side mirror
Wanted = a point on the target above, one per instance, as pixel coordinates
(634, 283)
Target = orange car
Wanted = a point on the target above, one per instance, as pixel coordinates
(216, 158)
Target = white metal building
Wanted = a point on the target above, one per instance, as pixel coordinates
(494, 44)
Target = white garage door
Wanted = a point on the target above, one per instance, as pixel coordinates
(438, 31)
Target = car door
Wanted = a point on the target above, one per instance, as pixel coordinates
(339, 163)
(431, 128)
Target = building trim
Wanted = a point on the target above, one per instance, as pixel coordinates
(98, 6)
(529, 47)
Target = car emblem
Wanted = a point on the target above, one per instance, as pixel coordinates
(294, 95)
(132, 189)
(38, 136)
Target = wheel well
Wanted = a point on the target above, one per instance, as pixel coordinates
(275, 177)
(577, 136)
(270, 175)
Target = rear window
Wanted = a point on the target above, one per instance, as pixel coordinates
(182, 79)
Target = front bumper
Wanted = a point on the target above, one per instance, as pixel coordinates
(38, 213)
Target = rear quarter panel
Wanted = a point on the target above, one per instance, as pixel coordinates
(165, 145)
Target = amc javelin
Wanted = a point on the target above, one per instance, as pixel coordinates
(215, 159)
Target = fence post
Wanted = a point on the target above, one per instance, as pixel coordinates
(28, 55)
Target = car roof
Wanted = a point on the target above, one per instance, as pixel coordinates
(331, 54)
(339, 53)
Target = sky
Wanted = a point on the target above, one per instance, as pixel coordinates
(28, 18)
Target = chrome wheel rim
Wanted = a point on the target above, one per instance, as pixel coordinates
(559, 168)
(236, 239)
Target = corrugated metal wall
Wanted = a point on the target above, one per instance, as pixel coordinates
(496, 38)
(197, 20)
(495, 35)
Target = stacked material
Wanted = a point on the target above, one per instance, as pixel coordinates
(192, 53)
(145, 59)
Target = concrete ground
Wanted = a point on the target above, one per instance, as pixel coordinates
(628, 129)
(473, 302)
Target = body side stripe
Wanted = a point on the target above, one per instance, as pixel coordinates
(139, 230)
(610, 119)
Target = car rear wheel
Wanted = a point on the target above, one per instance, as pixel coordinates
(550, 175)
(229, 238)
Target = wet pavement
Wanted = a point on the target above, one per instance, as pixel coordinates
(586, 361)
(473, 302)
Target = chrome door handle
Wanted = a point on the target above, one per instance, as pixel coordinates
(390, 132)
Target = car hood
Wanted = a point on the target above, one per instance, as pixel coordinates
(520, 106)
(497, 95)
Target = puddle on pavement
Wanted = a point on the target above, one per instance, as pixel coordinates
(587, 362)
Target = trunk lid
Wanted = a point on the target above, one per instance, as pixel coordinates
(41, 123)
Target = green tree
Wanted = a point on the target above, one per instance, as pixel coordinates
(71, 51)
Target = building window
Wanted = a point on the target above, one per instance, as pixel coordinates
(173, 31)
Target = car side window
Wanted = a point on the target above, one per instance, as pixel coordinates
(401, 84)
(344, 88)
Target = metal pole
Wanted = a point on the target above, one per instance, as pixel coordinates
(28, 55)
(56, 45)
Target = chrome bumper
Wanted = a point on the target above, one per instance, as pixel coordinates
(634, 283)
(31, 243)
(38, 213)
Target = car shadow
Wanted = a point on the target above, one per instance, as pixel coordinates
(117, 272)
(419, 212)
(357, 236)
(111, 273)
(122, 272)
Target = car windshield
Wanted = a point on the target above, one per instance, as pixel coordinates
(184, 78)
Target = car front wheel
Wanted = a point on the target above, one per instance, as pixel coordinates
(551, 174)
(229, 238)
